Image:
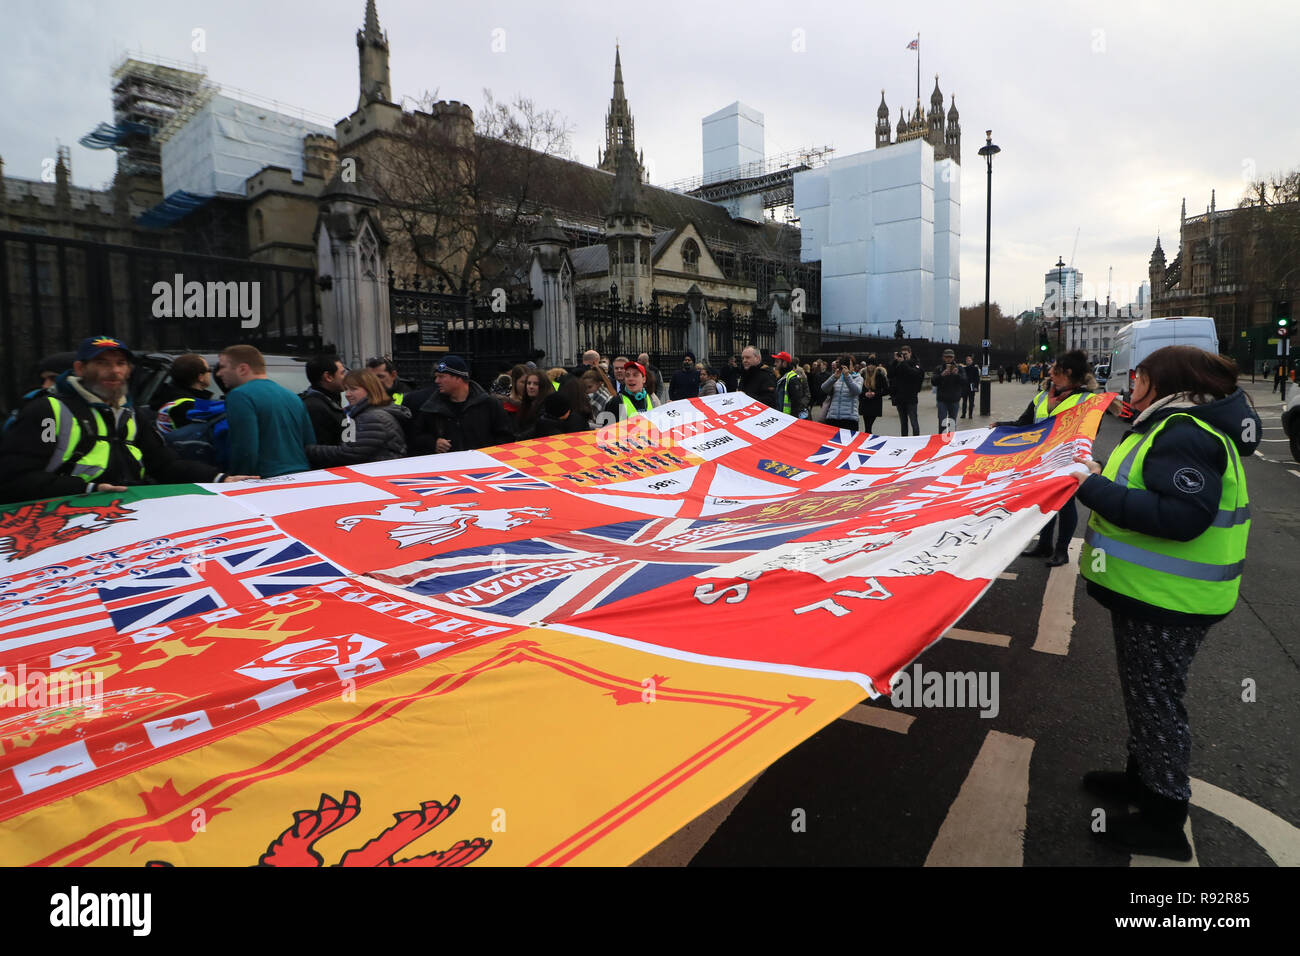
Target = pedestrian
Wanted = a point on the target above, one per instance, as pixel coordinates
(1164, 552)
(1002, 372)
(589, 360)
(269, 426)
(757, 380)
(971, 371)
(325, 377)
(190, 378)
(654, 379)
(1279, 375)
(1035, 372)
(514, 399)
(791, 388)
(950, 384)
(905, 380)
(730, 375)
(875, 386)
(636, 396)
(710, 384)
(1067, 389)
(1024, 373)
(461, 415)
(598, 387)
(374, 427)
(620, 362)
(686, 381)
(97, 446)
(843, 385)
(386, 372)
(564, 411)
(536, 386)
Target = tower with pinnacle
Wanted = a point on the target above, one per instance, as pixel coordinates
(619, 126)
(372, 50)
(941, 131)
(629, 233)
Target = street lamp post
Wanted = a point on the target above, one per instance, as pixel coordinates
(1060, 299)
(988, 151)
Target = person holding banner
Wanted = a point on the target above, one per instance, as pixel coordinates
(1164, 552)
(1066, 390)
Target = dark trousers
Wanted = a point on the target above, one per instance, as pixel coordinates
(850, 423)
(868, 422)
(906, 413)
(1154, 659)
(967, 404)
(1069, 515)
(948, 410)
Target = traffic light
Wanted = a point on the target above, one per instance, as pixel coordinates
(1283, 319)
(1042, 340)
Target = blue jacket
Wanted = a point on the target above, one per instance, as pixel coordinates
(269, 430)
(844, 392)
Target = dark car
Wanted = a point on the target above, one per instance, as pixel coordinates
(1291, 423)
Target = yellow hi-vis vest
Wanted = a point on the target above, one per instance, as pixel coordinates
(68, 439)
(785, 390)
(1040, 404)
(1201, 576)
(632, 410)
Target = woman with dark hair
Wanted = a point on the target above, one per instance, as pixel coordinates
(598, 387)
(373, 427)
(1164, 553)
(875, 386)
(533, 387)
(1065, 389)
(514, 399)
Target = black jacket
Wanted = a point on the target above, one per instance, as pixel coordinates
(878, 383)
(973, 375)
(24, 456)
(759, 383)
(478, 422)
(685, 383)
(1177, 510)
(379, 434)
(905, 381)
(952, 386)
(729, 375)
(326, 416)
(546, 426)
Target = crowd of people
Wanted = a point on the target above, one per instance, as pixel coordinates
(1169, 509)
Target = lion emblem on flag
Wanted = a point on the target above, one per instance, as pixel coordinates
(442, 522)
(35, 527)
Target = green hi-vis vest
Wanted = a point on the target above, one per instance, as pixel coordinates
(397, 397)
(785, 390)
(68, 456)
(631, 406)
(1040, 405)
(1201, 576)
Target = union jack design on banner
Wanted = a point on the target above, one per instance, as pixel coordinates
(853, 445)
(225, 580)
(564, 574)
(469, 483)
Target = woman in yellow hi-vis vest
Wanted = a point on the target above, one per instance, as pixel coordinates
(1164, 552)
(1066, 389)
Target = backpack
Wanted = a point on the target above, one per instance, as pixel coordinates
(205, 434)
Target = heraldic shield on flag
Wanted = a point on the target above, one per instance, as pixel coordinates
(485, 645)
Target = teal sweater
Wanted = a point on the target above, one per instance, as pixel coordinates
(269, 430)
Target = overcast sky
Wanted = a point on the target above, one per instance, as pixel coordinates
(1108, 113)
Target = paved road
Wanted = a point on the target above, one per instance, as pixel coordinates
(914, 787)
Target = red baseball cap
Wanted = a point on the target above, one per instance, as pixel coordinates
(783, 356)
(635, 365)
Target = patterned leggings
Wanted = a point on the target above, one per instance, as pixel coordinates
(1153, 662)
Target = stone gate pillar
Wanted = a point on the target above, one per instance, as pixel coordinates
(352, 273)
(550, 276)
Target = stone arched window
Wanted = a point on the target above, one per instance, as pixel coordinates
(261, 226)
(1229, 263)
(691, 256)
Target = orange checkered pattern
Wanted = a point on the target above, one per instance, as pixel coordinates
(602, 457)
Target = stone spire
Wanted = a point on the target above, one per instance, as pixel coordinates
(627, 198)
(952, 135)
(372, 54)
(619, 125)
(628, 232)
(1158, 255)
(935, 118)
(882, 123)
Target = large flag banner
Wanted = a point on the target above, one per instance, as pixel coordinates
(557, 651)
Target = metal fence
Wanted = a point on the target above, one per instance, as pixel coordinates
(616, 328)
(56, 291)
(429, 324)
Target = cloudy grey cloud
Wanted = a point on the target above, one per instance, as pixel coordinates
(1108, 113)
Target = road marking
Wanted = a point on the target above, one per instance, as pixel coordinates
(1279, 839)
(680, 848)
(1294, 472)
(1056, 622)
(978, 637)
(885, 719)
(1008, 575)
(1139, 860)
(985, 825)
(1275, 439)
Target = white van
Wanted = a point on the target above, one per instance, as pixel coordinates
(1139, 339)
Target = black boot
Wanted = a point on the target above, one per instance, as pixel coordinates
(1155, 830)
(1040, 550)
(1118, 786)
(1059, 557)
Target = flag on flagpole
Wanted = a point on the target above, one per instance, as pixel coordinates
(915, 44)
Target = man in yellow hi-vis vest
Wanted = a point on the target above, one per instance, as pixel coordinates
(1066, 389)
(84, 437)
(1164, 552)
